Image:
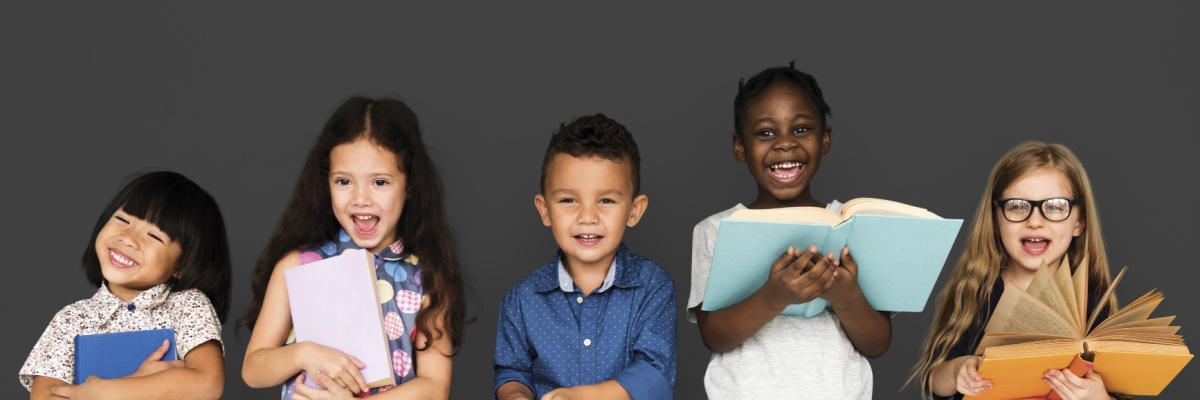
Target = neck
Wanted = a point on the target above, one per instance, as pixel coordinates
(766, 200)
(588, 276)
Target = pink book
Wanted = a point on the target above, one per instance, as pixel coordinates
(334, 304)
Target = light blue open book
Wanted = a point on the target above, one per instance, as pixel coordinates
(900, 251)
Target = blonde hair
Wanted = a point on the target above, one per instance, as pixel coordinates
(970, 286)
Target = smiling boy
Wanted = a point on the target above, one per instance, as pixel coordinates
(597, 322)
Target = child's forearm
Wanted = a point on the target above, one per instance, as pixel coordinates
(513, 390)
(417, 388)
(870, 331)
(266, 367)
(941, 377)
(724, 329)
(607, 390)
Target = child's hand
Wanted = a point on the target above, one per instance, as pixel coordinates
(968, 380)
(341, 368)
(845, 282)
(798, 277)
(560, 394)
(332, 389)
(1071, 387)
(154, 364)
(89, 389)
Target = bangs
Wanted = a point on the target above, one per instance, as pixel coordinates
(173, 205)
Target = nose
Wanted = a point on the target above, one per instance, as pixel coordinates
(126, 240)
(588, 214)
(786, 142)
(1036, 219)
(361, 195)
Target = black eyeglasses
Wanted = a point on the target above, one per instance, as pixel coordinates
(1053, 209)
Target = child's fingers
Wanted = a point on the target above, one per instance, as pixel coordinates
(783, 261)
(329, 384)
(159, 352)
(63, 390)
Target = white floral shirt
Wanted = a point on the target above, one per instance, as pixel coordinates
(189, 313)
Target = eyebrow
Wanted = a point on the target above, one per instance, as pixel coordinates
(794, 118)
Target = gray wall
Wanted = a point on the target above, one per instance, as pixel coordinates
(925, 100)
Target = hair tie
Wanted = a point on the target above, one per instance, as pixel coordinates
(792, 64)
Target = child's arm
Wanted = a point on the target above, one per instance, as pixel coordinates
(201, 377)
(512, 361)
(870, 331)
(608, 390)
(958, 375)
(796, 277)
(268, 362)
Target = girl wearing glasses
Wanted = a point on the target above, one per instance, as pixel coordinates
(1038, 206)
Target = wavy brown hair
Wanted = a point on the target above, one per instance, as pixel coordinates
(309, 219)
(970, 285)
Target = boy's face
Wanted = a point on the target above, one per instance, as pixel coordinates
(782, 142)
(587, 205)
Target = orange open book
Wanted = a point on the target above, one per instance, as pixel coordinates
(1046, 327)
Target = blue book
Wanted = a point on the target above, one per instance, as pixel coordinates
(900, 251)
(116, 355)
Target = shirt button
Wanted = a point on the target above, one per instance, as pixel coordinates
(579, 299)
(587, 342)
(130, 307)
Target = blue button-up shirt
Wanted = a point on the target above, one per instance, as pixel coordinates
(548, 337)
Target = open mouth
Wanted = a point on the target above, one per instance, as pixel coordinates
(1035, 245)
(364, 224)
(588, 239)
(121, 260)
(786, 170)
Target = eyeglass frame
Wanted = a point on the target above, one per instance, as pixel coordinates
(1037, 204)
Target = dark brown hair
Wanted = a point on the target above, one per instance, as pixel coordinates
(598, 136)
(309, 219)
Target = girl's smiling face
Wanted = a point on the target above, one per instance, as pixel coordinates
(1029, 242)
(367, 189)
(134, 255)
(782, 142)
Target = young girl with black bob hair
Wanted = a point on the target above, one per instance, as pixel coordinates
(160, 258)
(1037, 207)
(367, 183)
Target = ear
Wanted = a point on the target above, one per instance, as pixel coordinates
(540, 203)
(639, 207)
(1079, 226)
(739, 149)
(826, 139)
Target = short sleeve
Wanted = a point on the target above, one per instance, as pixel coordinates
(196, 321)
(703, 242)
(54, 354)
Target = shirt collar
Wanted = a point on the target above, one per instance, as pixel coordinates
(393, 252)
(106, 304)
(622, 273)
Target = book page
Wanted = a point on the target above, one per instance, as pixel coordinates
(1035, 317)
(866, 205)
(1080, 280)
(1132, 347)
(1047, 292)
(812, 215)
(1007, 339)
(1131, 313)
(1062, 280)
(1104, 300)
(1059, 346)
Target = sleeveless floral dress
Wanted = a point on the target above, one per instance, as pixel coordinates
(400, 297)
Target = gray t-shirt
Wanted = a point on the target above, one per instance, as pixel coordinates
(790, 357)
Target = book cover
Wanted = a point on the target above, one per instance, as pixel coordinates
(334, 304)
(117, 355)
(899, 257)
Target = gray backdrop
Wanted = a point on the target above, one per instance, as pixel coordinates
(925, 98)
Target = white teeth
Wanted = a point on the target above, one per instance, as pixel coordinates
(789, 164)
(364, 217)
(121, 259)
(588, 237)
(1035, 240)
